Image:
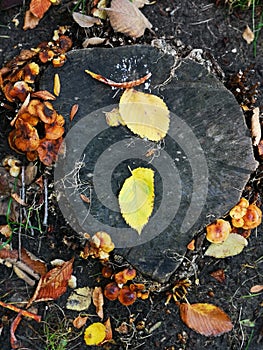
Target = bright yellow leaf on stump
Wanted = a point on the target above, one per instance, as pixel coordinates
(95, 333)
(144, 114)
(136, 198)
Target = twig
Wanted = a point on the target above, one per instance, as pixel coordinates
(25, 313)
(14, 342)
(23, 197)
(45, 202)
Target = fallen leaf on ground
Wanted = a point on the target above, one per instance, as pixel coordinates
(93, 41)
(39, 7)
(95, 333)
(85, 21)
(44, 95)
(219, 275)
(53, 284)
(113, 117)
(126, 18)
(108, 335)
(233, 245)
(79, 299)
(141, 3)
(5, 230)
(248, 35)
(136, 198)
(56, 84)
(257, 288)
(98, 301)
(73, 111)
(255, 127)
(123, 85)
(144, 114)
(80, 321)
(206, 319)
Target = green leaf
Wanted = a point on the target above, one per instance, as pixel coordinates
(233, 245)
(136, 198)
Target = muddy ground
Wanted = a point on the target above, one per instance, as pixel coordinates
(184, 24)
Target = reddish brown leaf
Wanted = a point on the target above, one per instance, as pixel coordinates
(73, 112)
(98, 301)
(108, 336)
(206, 319)
(123, 85)
(30, 21)
(44, 95)
(84, 198)
(39, 7)
(33, 262)
(54, 284)
(219, 275)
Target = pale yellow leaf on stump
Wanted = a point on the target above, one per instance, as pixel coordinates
(233, 245)
(144, 114)
(136, 198)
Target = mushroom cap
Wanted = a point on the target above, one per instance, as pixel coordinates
(237, 212)
(237, 222)
(218, 231)
(129, 274)
(26, 136)
(111, 291)
(252, 218)
(126, 296)
(106, 243)
(48, 150)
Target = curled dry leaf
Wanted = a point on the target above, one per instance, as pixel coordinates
(126, 18)
(39, 7)
(93, 41)
(255, 127)
(248, 35)
(30, 21)
(54, 283)
(85, 21)
(73, 111)
(98, 301)
(144, 114)
(206, 319)
(44, 95)
(108, 335)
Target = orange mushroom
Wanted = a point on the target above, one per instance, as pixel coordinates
(107, 271)
(46, 112)
(26, 136)
(48, 150)
(252, 218)
(105, 242)
(129, 274)
(218, 231)
(126, 296)
(111, 291)
(31, 70)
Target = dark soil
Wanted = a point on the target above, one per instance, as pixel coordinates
(184, 25)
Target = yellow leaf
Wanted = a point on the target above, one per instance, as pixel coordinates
(113, 117)
(95, 333)
(56, 85)
(136, 198)
(144, 114)
(206, 319)
(233, 245)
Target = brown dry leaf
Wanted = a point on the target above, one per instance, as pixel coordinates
(85, 21)
(255, 127)
(98, 301)
(56, 85)
(73, 111)
(257, 288)
(18, 199)
(126, 18)
(53, 284)
(80, 321)
(30, 21)
(248, 35)
(39, 7)
(44, 95)
(219, 275)
(30, 173)
(36, 264)
(93, 41)
(141, 3)
(108, 336)
(206, 319)
(84, 198)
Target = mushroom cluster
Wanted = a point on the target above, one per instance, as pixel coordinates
(243, 216)
(120, 289)
(98, 246)
(38, 128)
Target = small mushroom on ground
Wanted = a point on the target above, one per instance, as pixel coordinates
(26, 136)
(111, 291)
(126, 296)
(252, 218)
(218, 231)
